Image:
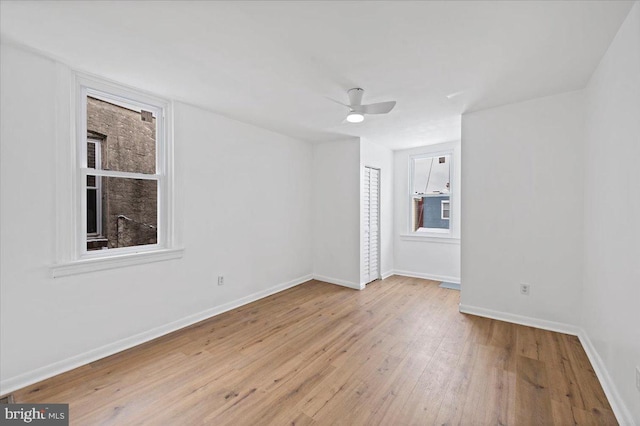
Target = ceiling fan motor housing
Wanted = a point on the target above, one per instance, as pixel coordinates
(355, 96)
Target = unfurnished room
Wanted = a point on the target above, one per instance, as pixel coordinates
(320, 212)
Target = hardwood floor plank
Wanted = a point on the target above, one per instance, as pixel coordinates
(533, 400)
(422, 404)
(263, 410)
(397, 353)
(459, 388)
(592, 395)
(390, 396)
(503, 335)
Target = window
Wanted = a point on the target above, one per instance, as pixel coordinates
(445, 210)
(121, 171)
(430, 193)
(117, 159)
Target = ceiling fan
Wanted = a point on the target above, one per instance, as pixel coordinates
(357, 111)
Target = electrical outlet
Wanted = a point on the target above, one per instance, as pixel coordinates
(220, 280)
(525, 289)
(638, 378)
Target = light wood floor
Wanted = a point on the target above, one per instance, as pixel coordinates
(396, 353)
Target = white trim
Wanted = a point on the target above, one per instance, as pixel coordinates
(432, 277)
(450, 286)
(620, 410)
(429, 238)
(386, 274)
(434, 232)
(86, 85)
(120, 251)
(117, 174)
(65, 169)
(337, 281)
(122, 103)
(112, 90)
(113, 262)
(520, 319)
(18, 382)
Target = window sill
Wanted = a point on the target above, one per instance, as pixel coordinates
(430, 238)
(113, 262)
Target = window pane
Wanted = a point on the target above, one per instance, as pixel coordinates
(431, 175)
(128, 136)
(430, 213)
(91, 155)
(416, 212)
(129, 212)
(445, 210)
(91, 181)
(92, 211)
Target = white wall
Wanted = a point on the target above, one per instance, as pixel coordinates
(522, 213)
(611, 299)
(257, 239)
(336, 212)
(380, 157)
(431, 258)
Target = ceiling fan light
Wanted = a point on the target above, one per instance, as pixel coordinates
(355, 117)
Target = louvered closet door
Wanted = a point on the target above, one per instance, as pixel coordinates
(371, 219)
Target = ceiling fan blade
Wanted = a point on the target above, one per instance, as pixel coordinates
(378, 108)
(338, 102)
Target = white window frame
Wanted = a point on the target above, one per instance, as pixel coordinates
(442, 204)
(132, 99)
(72, 256)
(430, 232)
(98, 187)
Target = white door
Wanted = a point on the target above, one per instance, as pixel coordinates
(371, 225)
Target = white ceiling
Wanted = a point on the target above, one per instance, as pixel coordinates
(275, 64)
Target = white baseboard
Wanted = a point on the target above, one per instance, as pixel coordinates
(338, 281)
(622, 413)
(386, 275)
(520, 319)
(432, 277)
(13, 383)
